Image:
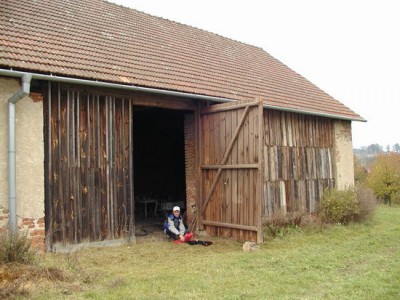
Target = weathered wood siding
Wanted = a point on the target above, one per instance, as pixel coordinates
(89, 162)
(298, 155)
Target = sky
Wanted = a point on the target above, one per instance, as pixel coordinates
(348, 48)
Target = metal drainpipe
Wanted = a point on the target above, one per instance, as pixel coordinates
(12, 178)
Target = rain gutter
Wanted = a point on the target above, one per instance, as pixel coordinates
(96, 83)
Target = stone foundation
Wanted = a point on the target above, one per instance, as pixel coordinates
(36, 231)
(33, 227)
(3, 219)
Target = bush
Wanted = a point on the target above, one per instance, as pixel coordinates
(339, 206)
(367, 203)
(15, 247)
(345, 206)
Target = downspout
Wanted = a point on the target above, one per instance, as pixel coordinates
(12, 178)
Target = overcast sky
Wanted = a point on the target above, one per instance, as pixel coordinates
(348, 48)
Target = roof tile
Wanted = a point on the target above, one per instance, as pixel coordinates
(95, 39)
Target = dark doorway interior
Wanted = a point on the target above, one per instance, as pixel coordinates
(159, 160)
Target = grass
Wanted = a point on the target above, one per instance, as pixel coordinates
(358, 261)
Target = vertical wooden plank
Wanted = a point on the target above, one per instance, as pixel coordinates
(97, 168)
(223, 200)
(73, 169)
(283, 129)
(60, 169)
(78, 168)
(87, 169)
(113, 200)
(106, 209)
(260, 200)
(241, 176)
(289, 127)
(228, 175)
(246, 203)
(207, 133)
(50, 178)
(123, 140)
(116, 166)
(234, 178)
(249, 211)
(66, 163)
(131, 178)
(266, 128)
(103, 168)
(211, 174)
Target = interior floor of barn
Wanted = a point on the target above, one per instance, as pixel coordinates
(150, 229)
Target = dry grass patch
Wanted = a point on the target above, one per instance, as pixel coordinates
(18, 279)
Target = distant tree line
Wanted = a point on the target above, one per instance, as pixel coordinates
(375, 149)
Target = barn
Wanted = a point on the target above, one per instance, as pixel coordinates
(111, 115)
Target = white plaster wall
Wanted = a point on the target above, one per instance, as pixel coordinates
(343, 147)
(7, 89)
(30, 152)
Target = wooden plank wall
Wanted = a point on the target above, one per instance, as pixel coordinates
(234, 198)
(298, 164)
(90, 180)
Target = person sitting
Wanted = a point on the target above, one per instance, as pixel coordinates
(175, 228)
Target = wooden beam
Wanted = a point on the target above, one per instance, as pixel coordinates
(220, 107)
(141, 98)
(229, 167)
(229, 225)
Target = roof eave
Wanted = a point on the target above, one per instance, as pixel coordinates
(38, 76)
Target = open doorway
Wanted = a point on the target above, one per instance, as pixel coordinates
(158, 164)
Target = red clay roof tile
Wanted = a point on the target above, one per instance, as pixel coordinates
(95, 39)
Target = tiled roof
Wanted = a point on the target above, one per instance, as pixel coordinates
(95, 39)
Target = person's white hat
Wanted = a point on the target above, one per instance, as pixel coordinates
(176, 208)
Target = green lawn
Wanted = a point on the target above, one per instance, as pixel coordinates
(359, 261)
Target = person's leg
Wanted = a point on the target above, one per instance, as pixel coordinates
(172, 235)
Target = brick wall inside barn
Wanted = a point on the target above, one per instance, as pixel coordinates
(29, 157)
(190, 153)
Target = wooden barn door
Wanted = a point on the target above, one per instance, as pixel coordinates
(231, 170)
(89, 160)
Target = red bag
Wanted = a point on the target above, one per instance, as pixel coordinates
(188, 237)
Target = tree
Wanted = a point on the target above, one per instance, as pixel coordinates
(396, 148)
(384, 178)
(374, 149)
